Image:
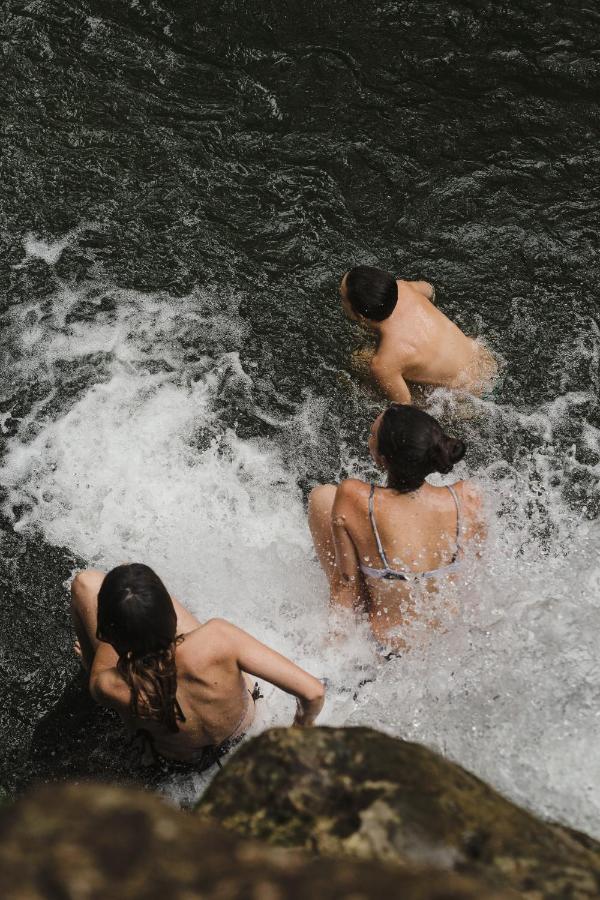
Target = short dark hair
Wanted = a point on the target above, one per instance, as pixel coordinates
(371, 292)
(414, 445)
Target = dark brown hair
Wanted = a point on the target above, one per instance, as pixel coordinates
(137, 617)
(413, 445)
(371, 292)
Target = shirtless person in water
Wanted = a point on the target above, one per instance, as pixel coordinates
(416, 341)
(183, 685)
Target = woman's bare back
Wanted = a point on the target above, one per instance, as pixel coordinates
(418, 533)
(213, 693)
(214, 696)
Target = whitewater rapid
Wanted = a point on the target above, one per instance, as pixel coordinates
(129, 450)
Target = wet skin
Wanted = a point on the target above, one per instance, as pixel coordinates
(214, 661)
(418, 343)
(418, 531)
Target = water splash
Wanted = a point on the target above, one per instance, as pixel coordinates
(131, 451)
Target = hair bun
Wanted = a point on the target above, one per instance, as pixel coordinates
(447, 453)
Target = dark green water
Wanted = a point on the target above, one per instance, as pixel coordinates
(209, 172)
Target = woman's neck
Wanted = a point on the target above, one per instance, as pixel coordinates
(405, 488)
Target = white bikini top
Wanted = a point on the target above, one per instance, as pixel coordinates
(397, 575)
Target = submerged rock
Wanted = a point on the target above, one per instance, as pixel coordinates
(356, 792)
(97, 842)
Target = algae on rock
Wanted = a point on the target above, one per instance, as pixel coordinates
(97, 842)
(357, 792)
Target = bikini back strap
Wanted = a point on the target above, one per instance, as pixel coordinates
(374, 527)
(452, 490)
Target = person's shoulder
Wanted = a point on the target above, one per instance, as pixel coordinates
(411, 293)
(393, 354)
(351, 489)
(351, 495)
(471, 495)
(407, 286)
(213, 638)
(214, 627)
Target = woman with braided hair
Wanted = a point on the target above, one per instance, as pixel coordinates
(183, 686)
(380, 546)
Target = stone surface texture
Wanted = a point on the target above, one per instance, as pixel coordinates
(356, 792)
(99, 842)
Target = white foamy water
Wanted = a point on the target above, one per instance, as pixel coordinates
(125, 455)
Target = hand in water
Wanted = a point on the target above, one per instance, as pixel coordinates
(308, 710)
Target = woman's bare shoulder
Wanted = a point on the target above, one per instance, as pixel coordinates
(213, 628)
(215, 636)
(471, 494)
(352, 487)
(214, 643)
(351, 492)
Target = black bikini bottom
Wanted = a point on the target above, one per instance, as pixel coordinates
(208, 756)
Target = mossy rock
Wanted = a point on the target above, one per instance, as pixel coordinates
(359, 793)
(99, 842)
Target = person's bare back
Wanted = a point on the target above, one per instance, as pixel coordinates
(416, 341)
(390, 552)
(184, 685)
(214, 692)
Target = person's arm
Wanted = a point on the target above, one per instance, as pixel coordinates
(257, 659)
(474, 507)
(391, 381)
(106, 685)
(347, 585)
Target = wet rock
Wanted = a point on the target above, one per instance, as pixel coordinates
(356, 792)
(98, 842)
(36, 645)
(51, 728)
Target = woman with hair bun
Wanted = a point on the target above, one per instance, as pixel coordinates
(378, 545)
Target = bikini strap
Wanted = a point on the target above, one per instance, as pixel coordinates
(452, 490)
(374, 527)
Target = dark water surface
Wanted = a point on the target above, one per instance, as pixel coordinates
(194, 179)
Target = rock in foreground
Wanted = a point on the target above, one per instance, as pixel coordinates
(363, 794)
(96, 842)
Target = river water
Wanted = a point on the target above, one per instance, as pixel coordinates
(181, 189)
